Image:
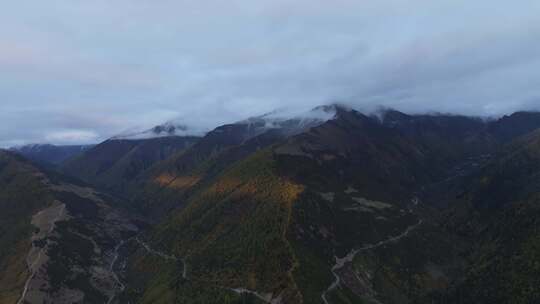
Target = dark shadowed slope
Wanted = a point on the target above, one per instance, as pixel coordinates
(115, 163)
(50, 154)
(509, 127)
(500, 213)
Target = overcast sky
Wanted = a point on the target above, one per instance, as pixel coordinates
(74, 71)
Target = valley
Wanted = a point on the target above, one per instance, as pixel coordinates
(331, 207)
(349, 258)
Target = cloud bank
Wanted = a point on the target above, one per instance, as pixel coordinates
(74, 71)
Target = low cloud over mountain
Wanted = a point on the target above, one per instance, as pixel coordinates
(98, 68)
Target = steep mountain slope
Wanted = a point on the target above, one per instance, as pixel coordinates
(50, 154)
(450, 137)
(170, 182)
(512, 126)
(58, 239)
(272, 222)
(21, 195)
(500, 213)
(114, 163)
(235, 217)
(370, 176)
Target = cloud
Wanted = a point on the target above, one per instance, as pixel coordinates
(109, 66)
(71, 136)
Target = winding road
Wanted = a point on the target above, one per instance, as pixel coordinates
(341, 262)
(114, 274)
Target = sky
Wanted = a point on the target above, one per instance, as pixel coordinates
(74, 71)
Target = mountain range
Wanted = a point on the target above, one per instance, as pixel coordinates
(326, 206)
(50, 155)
